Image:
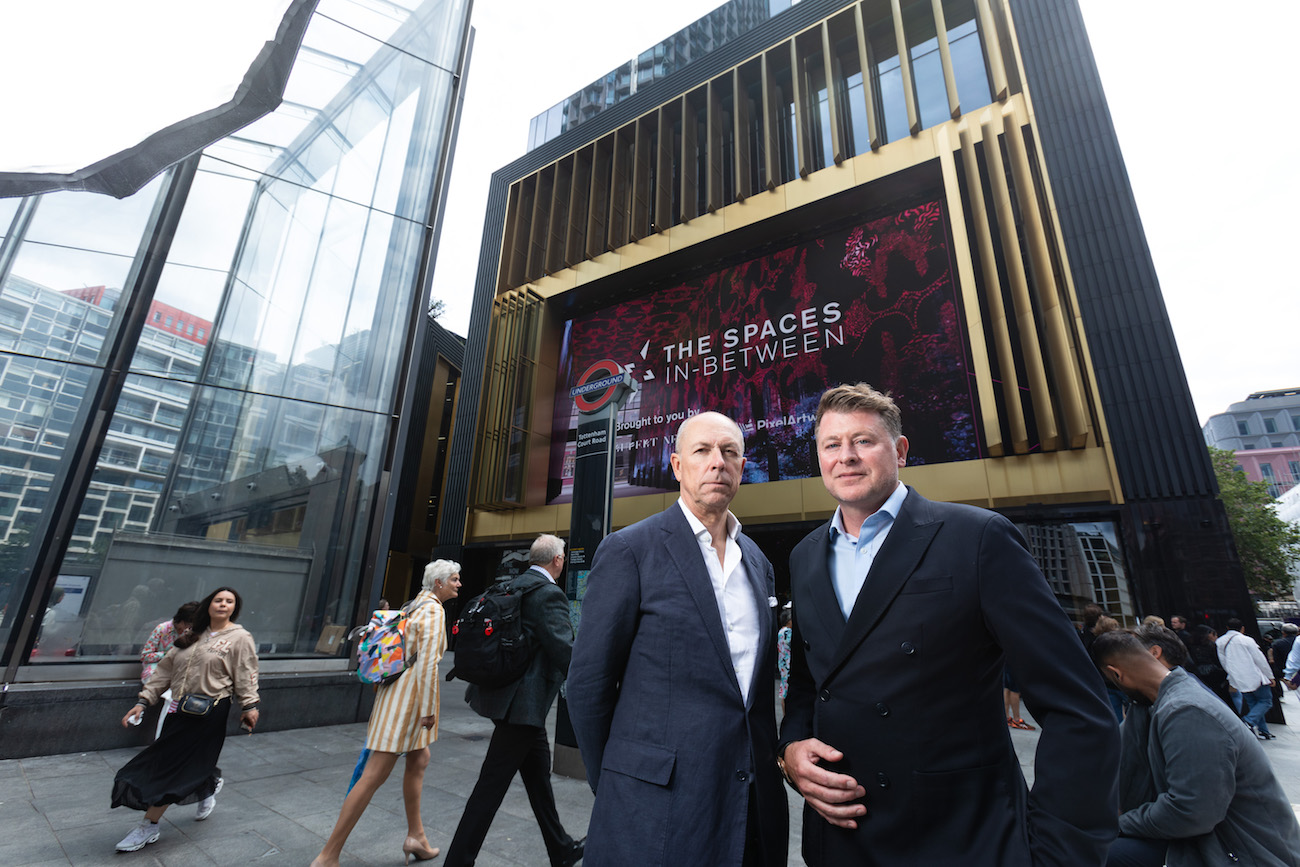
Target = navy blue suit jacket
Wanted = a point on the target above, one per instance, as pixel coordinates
(909, 688)
(671, 747)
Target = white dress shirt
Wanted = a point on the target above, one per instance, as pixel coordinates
(852, 556)
(1240, 656)
(736, 600)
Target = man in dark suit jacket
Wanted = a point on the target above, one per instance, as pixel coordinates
(905, 611)
(518, 712)
(670, 691)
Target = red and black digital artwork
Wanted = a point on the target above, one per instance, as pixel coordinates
(760, 341)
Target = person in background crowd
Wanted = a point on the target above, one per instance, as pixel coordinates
(1291, 669)
(1011, 701)
(783, 653)
(404, 720)
(1119, 702)
(162, 637)
(1203, 662)
(1091, 613)
(1278, 651)
(518, 712)
(1205, 791)
(1249, 675)
(1178, 623)
(215, 660)
(892, 769)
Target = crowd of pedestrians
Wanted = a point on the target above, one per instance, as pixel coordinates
(1150, 752)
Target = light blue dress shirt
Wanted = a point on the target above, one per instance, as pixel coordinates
(852, 556)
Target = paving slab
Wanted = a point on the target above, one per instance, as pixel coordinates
(284, 789)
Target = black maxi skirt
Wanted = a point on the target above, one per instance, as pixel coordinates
(178, 768)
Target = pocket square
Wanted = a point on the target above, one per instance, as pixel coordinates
(771, 602)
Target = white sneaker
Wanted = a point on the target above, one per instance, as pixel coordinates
(141, 835)
(208, 804)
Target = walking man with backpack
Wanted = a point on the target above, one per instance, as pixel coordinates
(518, 711)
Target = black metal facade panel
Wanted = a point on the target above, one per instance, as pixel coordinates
(1143, 389)
(438, 343)
(460, 459)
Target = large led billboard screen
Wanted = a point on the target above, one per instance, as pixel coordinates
(761, 340)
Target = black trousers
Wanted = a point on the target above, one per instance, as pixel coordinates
(513, 749)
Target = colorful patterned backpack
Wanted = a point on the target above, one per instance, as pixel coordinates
(381, 645)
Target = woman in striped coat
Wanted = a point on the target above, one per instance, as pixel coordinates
(404, 720)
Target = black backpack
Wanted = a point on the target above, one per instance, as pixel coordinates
(491, 648)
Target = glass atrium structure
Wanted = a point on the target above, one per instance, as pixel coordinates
(199, 383)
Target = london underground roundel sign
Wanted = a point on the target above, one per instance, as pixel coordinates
(597, 385)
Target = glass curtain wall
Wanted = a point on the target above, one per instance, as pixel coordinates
(248, 441)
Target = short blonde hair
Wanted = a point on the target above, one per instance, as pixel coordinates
(861, 397)
(439, 571)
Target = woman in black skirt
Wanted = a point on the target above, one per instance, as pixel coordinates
(211, 663)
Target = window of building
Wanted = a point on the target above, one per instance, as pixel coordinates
(1243, 429)
(1294, 467)
(1270, 424)
(168, 323)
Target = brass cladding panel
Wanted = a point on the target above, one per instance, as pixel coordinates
(1078, 476)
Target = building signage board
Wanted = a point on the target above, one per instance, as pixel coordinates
(760, 341)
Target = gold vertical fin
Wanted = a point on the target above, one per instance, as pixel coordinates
(1026, 325)
(1064, 361)
(864, 64)
(993, 296)
(945, 58)
(992, 49)
(641, 195)
(799, 87)
(664, 172)
(740, 138)
(970, 296)
(838, 150)
(771, 163)
(905, 69)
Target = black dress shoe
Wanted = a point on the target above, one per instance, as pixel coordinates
(572, 855)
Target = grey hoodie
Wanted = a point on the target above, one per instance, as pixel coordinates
(1217, 801)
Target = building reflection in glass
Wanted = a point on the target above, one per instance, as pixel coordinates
(1083, 565)
(259, 394)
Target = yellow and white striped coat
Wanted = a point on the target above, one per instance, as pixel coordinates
(402, 703)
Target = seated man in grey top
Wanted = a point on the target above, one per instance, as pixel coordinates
(1214, 798)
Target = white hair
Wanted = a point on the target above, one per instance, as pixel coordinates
(439, 571)
(545, 548)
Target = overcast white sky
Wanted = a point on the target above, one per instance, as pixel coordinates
(1217, 197)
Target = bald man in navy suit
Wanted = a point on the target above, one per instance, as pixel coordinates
(670, 688)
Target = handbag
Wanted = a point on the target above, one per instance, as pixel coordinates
(197, 705)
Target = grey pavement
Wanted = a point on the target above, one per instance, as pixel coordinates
(283, 791)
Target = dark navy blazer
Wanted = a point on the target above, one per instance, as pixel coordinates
(672, 749)
(909, 688)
